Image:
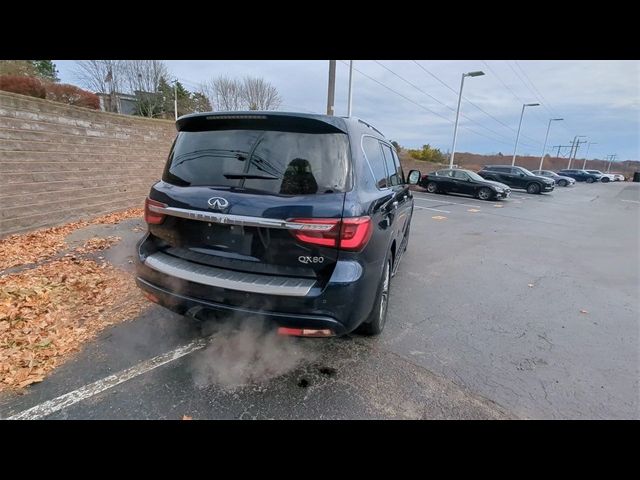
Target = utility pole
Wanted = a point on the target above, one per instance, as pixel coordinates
(573, 143)
(332, 87)
(574, 148)
(575, 152)
(350, 88)
(613, 157)
(586, 154)
(175, 97)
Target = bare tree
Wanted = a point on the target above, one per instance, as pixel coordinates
(224, 93)
(251, 93)
(102, 76)
(143, 78)
(259, 94)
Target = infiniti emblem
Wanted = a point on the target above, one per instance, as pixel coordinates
(218, 203)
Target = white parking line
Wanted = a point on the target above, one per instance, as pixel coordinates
(630, 201)
(51, 406)
(449, 202)
(434, 209)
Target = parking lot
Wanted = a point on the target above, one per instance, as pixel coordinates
(522, 308)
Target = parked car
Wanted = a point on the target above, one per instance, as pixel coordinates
(558, 179)
(605, 177)
(300, 219)
(618, 177)
(465, 182)
(517, 177)
(580, 175)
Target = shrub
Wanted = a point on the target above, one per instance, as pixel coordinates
(30, 86)
(72, 95)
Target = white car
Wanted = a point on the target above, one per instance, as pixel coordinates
(618, 177)
(609, 176)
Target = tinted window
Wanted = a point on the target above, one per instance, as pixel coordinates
(391, 168)
(292, 163)
(460, 175)
(443, 173)
(516, 171)
(373, 152)
(398, 165)
(501, 169)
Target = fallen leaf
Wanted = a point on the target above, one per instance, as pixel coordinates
(187, 417)
(530, 285)
(583, 311)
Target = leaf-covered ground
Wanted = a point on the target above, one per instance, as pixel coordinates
(49, 311)
(22, 249)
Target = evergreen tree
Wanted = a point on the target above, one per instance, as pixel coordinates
(46, 69)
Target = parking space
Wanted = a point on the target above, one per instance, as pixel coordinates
(525, 307)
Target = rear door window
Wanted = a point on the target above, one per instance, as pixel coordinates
(276, 162)
(373, 152)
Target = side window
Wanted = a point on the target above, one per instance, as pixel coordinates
(515, 171)
(502, 169)
(457, 174)
(373, 152)
(398, 165)
(391, 168)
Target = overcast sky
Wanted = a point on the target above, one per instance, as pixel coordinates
(599, 99)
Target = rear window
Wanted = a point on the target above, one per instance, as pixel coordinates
(277, 162)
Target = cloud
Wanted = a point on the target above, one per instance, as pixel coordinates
(600, 99)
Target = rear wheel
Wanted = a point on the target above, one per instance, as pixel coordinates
(533, 188)
(605, 179)
(432, 187)
(485, 193)
(590, 180)
(562, 183)
(378, 317)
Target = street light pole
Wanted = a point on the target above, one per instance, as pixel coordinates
(515, 149)
(455, 127)
(585, 155)
(546, 138)
(350, 88)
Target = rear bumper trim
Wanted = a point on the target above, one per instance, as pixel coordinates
(229, 279)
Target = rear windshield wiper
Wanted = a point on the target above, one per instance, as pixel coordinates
(250, 176)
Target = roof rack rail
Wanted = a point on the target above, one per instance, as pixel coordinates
(371, 126)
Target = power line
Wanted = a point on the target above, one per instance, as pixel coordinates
(422, 106)
(476, 106)
(441, 103)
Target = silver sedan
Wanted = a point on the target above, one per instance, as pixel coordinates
(559, 179)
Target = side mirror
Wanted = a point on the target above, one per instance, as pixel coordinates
(414, 177)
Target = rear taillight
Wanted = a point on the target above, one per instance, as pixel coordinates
(150, 216)
(348, 233)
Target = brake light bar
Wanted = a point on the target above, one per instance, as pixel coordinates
(348, 234)
(153, 217)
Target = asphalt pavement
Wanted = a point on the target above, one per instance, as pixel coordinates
(521, 308)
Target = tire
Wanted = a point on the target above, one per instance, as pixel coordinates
(589, 180)
(432, 187)
(563, 183)
(378, 316)
(485, 193)
(533, 188)
(605, 180)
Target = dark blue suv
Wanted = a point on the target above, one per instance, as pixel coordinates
(301, 219)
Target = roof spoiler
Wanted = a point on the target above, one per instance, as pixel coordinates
(288, 122)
